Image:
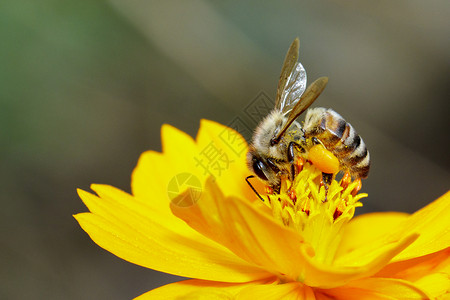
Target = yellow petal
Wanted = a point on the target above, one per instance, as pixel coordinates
(177, 145)
(416, 268)
(154, 171)
(111, 200)
(150, 178)
(257, 238)
(134, 232)
(358, 266)
(432, 223)
(364, 229)
(431, 272)
(436, 284)
(226, 138)
(248, 233)
(377, 288)
(197, 289)
(231, 169)
(292, 290)
(218, 151)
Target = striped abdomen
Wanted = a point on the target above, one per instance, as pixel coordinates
(340, 138)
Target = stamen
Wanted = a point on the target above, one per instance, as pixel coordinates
(316, 207)
(346, 179)
(339, 210)
(269, 190)
(292, 195)
(304, 206)
(358, 187)
(299, 164)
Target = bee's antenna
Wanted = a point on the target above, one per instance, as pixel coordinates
(251, 186)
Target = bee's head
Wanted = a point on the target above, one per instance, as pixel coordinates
(264, 139)
(264, 168)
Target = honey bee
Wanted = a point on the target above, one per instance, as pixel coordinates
(279, 139)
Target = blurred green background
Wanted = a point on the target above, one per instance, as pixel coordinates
(85, 87)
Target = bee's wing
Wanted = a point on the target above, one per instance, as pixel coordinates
(292, 81)
(310, 95)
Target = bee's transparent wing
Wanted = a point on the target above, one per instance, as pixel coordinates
(310, 95)
(294, 88)
(292, 81)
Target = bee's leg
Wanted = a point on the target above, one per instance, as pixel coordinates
(251, 186)
(326, 181)
(357, 188)
(276, 188)
(291, 158)
(296, 166)
(315, 141)
(327, 178)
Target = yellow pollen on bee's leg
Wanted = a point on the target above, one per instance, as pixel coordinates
(323, 159)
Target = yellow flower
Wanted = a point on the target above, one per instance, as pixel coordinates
(293, 245)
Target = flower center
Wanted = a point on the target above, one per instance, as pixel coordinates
(316, 210)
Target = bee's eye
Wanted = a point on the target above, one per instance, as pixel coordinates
(258, 167)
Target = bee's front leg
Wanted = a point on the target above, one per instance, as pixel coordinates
(291, 158)
(326, 181)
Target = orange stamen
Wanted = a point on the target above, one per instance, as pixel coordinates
(292, 195)
(346, 179)
(339, 210)
(304, 206)
(299, 164)
(358, 187)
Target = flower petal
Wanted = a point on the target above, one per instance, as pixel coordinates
(218, 151)
(155, 170)
(430, 272)
(156, 174)
(436, 284)
(377, 288)
(291, 290)
(257, 238)
(197, 289)
(233, 149)
(235, 224)
(177, 146)
(432, 223)
(320, 275)
(366, 228)
(137, 233)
